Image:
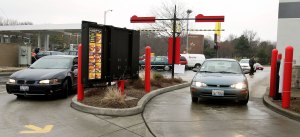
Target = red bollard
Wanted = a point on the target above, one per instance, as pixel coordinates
(121, 84)
(287, 77)
(273, 72)
(80, 94)
(147, 69)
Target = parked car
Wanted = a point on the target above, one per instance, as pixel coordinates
(47, 53)
(49, 75)
(157, 62)
(245, 65)
(72, 52)
(258, 66)
(194, 60)
(220, 79)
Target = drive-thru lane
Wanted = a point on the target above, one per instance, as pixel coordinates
(49, 117)
(173, 114)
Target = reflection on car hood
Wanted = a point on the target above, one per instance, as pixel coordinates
(39, 74)
(219, 78)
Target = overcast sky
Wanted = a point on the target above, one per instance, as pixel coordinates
(260, 16)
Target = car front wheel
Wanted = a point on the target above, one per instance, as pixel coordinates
(195, 99)
(66, 88)
(244, 102)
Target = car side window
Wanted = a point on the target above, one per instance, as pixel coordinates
(159, 59)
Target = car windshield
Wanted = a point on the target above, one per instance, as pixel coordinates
(220, 66)
(43, 53)
(51, 63)
(244, 61)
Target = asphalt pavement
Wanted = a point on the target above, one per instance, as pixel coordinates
(170, 114)
(174, 115)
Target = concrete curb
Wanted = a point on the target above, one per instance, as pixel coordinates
(126, 111)
(279, 109)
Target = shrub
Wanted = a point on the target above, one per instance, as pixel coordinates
(177, 80)
(156, 83)
(158, 76)
(138, 83)
(113, 98)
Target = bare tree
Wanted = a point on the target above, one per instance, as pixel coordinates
(166, 11)
(11, 22)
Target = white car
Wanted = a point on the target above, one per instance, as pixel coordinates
(245, 65)
(194, 60)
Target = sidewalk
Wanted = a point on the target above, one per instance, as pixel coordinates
(293, 112)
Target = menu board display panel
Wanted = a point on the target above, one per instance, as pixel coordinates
(95, 46)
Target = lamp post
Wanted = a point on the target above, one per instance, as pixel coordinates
(105, 15)
(187, 31)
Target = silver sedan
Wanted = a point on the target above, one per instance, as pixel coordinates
(220, 79)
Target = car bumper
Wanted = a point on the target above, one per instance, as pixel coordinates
(34, 89)
(229, 93)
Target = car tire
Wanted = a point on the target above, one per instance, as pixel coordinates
(66, 88)
(167, 68)
(195, 99)
(20, 96)
(197, 66)
(244, 102)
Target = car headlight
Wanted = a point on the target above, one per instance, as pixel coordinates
(239, 86)
(199, 84)
(11, 81)
(51, 81)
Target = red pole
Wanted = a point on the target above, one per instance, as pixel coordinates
(147, 69)
(287, 77)
(80, 94)
(273, 72)
(121, 84)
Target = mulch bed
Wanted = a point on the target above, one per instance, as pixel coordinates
(135, 89)
(294, 104)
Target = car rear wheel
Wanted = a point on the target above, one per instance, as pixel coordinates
(195, 99)
(66, 88)
(197, 66)
(166, 68)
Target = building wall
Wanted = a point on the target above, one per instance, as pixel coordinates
(289, 27)
(289, 34)
(9, 55)
(196, 44)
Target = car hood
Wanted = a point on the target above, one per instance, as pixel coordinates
(39, 74)
(219, 78)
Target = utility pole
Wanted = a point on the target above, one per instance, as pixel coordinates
(187, 30)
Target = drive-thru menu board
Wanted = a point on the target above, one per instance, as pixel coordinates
(95, 46)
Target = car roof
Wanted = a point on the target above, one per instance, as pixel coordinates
(222, 59)
(60, 56)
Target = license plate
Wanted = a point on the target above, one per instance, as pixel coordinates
(24, 88)
(217, 93)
